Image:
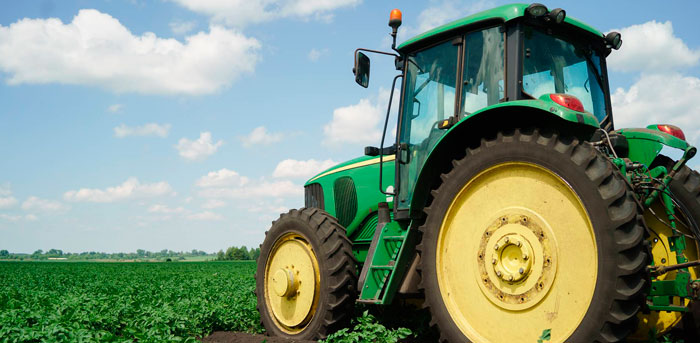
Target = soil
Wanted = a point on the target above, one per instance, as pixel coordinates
(240, 337)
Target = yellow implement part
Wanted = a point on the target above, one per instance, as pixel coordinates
(662, 321)
(516, 255)
(292, 283)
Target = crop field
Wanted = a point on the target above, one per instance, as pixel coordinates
(125, 302)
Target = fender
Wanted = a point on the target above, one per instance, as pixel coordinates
(646, 144)
(468, 132)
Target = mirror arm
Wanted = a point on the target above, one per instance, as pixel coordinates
(374, 51)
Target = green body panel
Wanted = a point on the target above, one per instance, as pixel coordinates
(646, 144)
(364, 172)
(503, 13)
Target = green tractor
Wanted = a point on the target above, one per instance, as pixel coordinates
(509, 205)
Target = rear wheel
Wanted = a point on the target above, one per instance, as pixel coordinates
(531, 234)
(685, 190)
(306, 276)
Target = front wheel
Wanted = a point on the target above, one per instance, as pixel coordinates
(306, 276)
(531, 235)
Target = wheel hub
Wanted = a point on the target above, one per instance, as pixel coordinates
(515, 260)
(511, 260)
(284, 281)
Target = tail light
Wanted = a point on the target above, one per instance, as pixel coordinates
(569, 101)
(671, 130)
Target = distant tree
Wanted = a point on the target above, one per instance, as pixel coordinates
(241, 254)
(220, 256)
(4, 253)
(255, 253)
(229, 253)
(141, 252)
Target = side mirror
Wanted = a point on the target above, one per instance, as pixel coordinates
(361, 69)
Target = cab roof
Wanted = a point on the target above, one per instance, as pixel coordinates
(504, 13)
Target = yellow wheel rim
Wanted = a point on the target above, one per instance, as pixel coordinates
(516, 255)
(662, 321)
(292, 283)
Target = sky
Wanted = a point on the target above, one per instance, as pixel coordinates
(192, 124)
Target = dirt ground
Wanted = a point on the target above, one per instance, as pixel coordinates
(239, 337)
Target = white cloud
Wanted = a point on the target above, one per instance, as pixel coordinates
(158, 208)
(130, 189)
(213, 203)
(115, 108)
(181, 27)
(260, 136)
(150, 129)
(290, 168)
(639, 105)
(198, 149)
(651, 47)
(222, 178)
(16, 218)
(261, 189)
(362, 122)
(7, 202)
(240, 13)
(35, 203)
(315, 54)
(205, 216)
(95, 49)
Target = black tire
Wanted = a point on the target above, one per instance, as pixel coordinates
(685, 188)
(336, 293)
(612, 209)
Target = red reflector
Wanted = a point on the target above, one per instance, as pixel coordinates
(672, 130)
(569, 101)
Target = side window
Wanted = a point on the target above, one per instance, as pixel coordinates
(429, 98)
(483, 69)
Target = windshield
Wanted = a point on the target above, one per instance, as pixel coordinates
(553, 64)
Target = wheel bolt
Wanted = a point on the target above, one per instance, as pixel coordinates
(494, 261)
(495, 247)
(498, 273)
(525, 257)
(506, 239)
(521, 270)
(510, 277)
(519, 244)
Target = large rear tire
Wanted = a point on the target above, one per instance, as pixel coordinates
(685, 190)
(306, 276)
(532, 233)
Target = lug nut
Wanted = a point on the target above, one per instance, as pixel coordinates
(506, 239)
(494, 261)
(525, 257)
(519, 244)
(510, 277)
(521, 270)
(495, 247)
(498, 273)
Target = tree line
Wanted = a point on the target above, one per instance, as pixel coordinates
(140, 254)
(238, 254)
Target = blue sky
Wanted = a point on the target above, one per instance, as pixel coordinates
(189, 124)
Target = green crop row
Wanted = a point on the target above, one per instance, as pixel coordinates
(125, 302)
